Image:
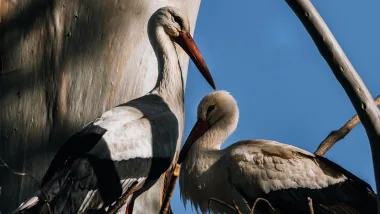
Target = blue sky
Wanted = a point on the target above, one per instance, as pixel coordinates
(260, 52)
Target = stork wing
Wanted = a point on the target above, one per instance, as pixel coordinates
(287, 176)
(134, 142)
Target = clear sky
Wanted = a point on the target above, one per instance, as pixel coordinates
(260, 52)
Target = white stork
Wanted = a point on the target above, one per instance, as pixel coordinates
(133, 142)
(284, 175)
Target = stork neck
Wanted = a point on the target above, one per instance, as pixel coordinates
(218, 133)
(170, 84)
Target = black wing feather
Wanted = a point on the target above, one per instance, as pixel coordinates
(353, 196)
(77, 145)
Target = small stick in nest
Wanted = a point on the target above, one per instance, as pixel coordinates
(260, 199)
(4, 164)
(310, 205)
(119, 203)
(237, 208)
(170, 191)
(224, 204)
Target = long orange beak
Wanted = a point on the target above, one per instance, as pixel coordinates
(187, 43)
(198, 130)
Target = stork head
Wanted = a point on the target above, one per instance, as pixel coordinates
(177, 27)
(172, 20)
(219, 109)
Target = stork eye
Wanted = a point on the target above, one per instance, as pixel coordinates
(178, 20)
(210, 108)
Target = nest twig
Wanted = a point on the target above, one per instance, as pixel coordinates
(310, 205)
(260, 199)
(224, 204)
(123, 199)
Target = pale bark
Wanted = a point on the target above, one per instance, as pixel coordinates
(339, 134)
(346, 74)
(63, 63)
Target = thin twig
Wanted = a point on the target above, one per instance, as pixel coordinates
(339, 134)
(220, 202)
(168, 195)
(48, 206)
(115, 208)
(236, 208)
(310, 205)
(346, 74)
(4, 164)
(260, 199)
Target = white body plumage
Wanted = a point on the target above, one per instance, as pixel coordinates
(284, 174)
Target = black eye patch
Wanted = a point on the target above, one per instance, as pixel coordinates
(178, 20)
(210, 108)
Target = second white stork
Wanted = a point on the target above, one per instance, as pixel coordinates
(135, 142)
(284, 175)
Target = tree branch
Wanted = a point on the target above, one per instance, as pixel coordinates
(119, 203)
(339, 134)
(170, 190)
(345, 73)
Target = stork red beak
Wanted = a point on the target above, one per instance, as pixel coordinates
(187, 43)
(198, 130)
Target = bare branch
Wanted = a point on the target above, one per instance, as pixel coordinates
(4, 164)
(260, 199)
(222, 203)
(310, 205)
(119, 203)
(236, 208)
(339, 134)
(170, 191)
(345, 73)
(48, 207)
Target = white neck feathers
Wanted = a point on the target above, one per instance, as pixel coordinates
(170, 84)
(218, 133)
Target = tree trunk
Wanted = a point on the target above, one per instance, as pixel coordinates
(63, 63)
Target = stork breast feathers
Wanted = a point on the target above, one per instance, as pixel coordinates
(133, 132)
(275, 166)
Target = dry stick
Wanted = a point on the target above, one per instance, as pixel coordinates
(119, 203)
(310, 205)
(169, 193)
(49, 209)
(222, 203)
(260, 199)
(339, 134)
(236, 208)
(345, 73)
(4, 164)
